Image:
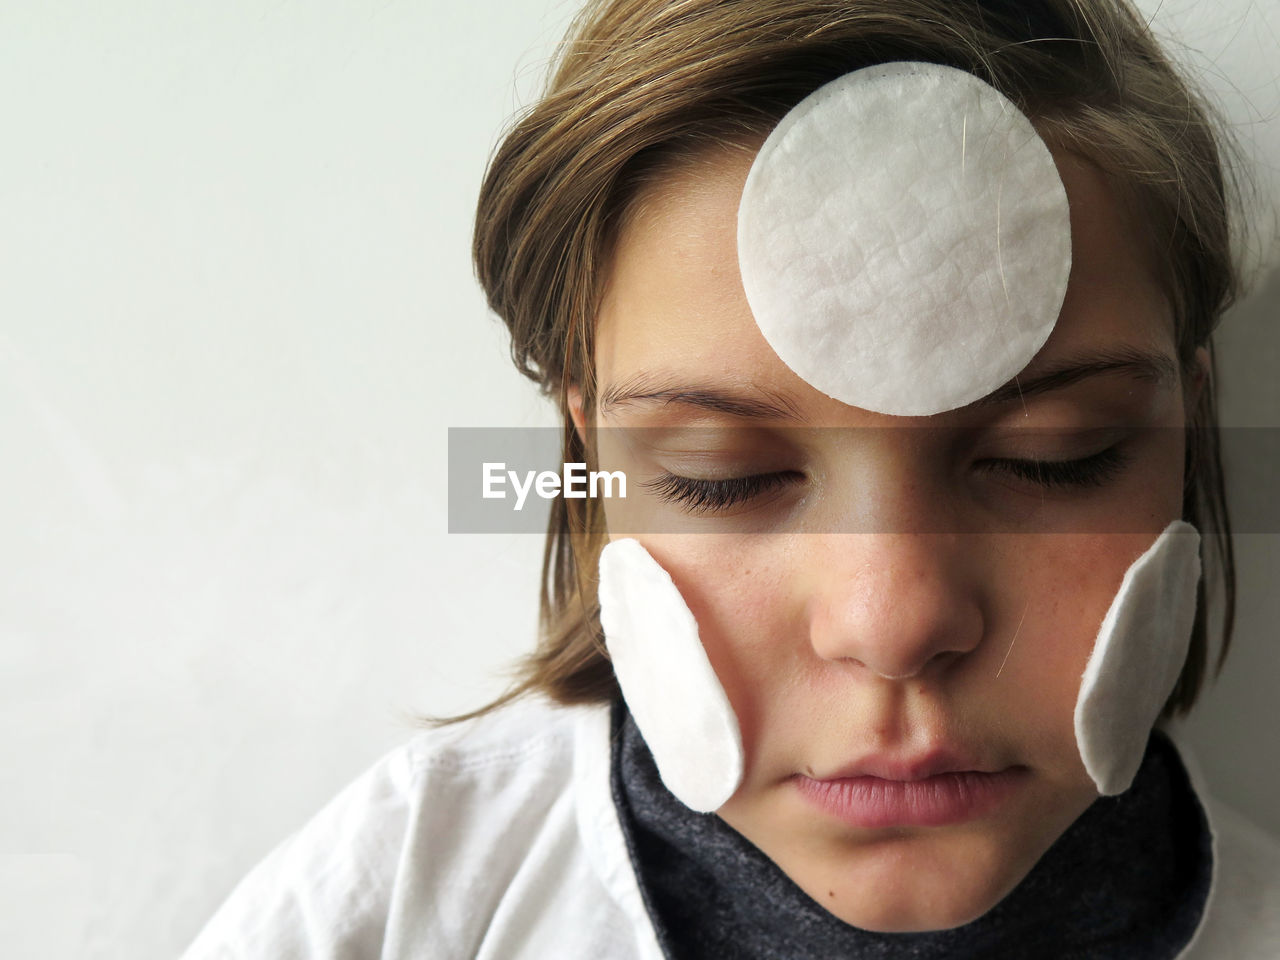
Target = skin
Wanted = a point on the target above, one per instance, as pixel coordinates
(965, 615)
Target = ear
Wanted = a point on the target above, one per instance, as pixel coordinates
(573, 398)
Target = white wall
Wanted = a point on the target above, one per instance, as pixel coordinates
(236, 318)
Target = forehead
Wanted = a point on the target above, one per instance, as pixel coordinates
(673, 301)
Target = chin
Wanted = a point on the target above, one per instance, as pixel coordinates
(897, 893)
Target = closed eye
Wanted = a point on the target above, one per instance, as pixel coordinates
(705, 496)
(699, 495)
(1092, 471)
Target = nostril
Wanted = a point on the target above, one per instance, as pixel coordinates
(940, 662)
(896, 605)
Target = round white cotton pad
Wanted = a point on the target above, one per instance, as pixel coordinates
(669, 685)
(1137, 657)
(904, 239)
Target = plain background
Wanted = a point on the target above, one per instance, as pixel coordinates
(237, 317)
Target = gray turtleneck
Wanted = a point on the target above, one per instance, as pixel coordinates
(1128, 880)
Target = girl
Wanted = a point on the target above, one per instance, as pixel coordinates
(830, 680)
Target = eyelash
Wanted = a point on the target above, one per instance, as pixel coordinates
(700, 496)
(1095, 470)
(706, 495)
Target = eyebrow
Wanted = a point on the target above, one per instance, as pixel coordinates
(1139, 364)
(758, 403)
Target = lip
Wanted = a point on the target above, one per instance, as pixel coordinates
(929, 790)
(920, 766)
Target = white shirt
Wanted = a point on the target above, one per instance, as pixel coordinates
(498, 839)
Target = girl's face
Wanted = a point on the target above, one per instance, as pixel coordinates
(911, 648)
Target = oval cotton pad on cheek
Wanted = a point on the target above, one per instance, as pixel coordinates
(1137, 657)
(670, 687)
(904, 239)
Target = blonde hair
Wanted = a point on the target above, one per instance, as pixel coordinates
(641, 84)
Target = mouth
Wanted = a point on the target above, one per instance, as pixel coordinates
(930, 791)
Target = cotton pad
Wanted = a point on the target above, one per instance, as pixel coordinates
(1137, 657)
(904, 239)
(670, 687)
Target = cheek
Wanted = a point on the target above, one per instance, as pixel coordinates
(1058, 587)
(1066, 582)
(749, 619)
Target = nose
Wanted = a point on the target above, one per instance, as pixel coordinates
(894, 603)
